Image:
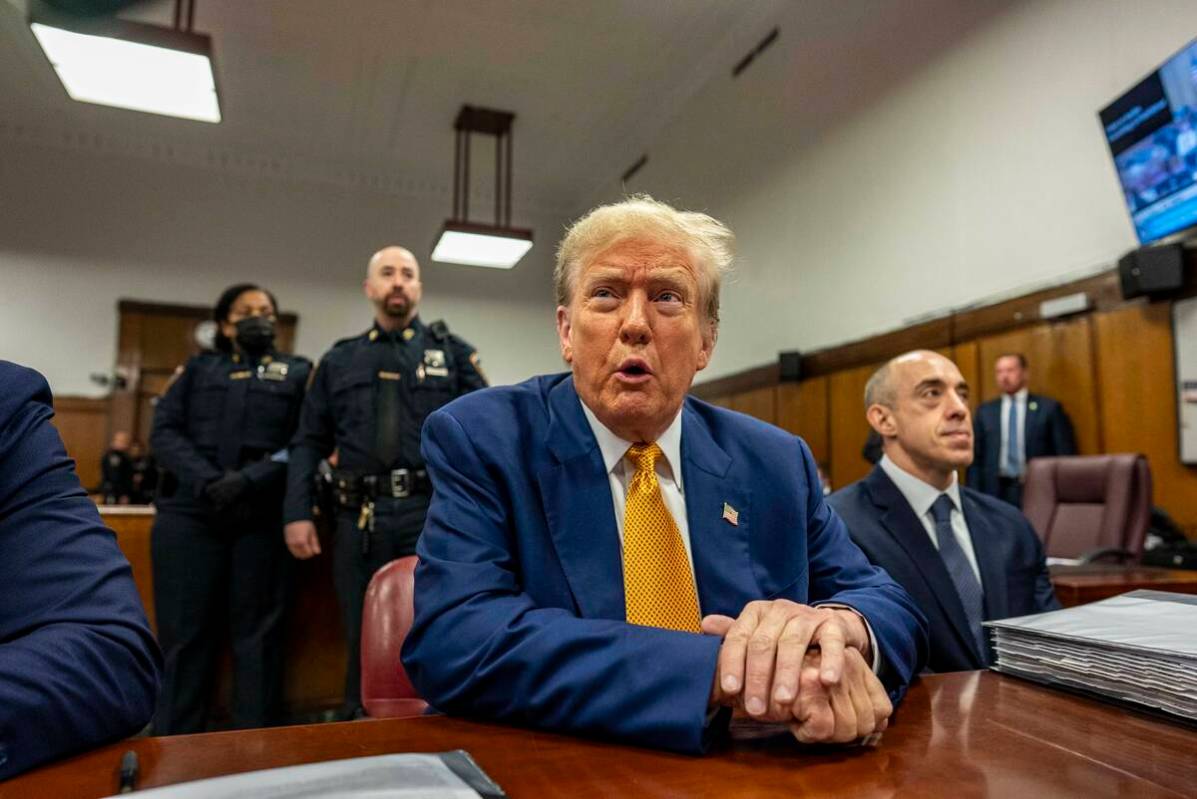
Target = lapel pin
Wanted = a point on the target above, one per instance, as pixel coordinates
(1034, 406)
(731, 515)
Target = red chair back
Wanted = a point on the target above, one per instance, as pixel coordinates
(386, 619)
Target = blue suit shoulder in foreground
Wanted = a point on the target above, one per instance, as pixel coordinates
(78, 665)
(519, 605)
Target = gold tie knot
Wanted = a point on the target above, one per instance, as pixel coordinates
(644, 456)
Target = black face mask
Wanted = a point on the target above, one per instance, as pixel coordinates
(255, 334)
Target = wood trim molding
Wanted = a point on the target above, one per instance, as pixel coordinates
(945, 331)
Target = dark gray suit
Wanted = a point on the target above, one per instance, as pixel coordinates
(1009, 556)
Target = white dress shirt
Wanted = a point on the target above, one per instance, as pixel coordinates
(922, 496)
(1019, 398)
(668, 469)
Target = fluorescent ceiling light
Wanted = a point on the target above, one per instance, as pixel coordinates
(481, 245)
(129, 74)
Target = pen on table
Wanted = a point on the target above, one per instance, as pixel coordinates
(128, 772)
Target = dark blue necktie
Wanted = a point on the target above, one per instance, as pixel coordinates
(963, 577)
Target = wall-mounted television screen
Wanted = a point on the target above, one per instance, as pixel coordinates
(1152, 133)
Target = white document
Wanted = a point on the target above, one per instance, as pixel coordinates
(407, 776)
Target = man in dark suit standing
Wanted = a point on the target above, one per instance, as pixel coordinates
(1013, 429)
(963, 556)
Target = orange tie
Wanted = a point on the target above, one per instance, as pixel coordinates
(658, 582)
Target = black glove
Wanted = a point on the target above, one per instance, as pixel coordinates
(226, 490)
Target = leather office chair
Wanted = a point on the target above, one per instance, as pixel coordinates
(386, 618)
(1089, 507)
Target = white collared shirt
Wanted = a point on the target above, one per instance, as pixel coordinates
(668, 469)
(922, 496)
(1019, 398)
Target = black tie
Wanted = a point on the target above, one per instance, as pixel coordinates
(961, 572)
(386, 425)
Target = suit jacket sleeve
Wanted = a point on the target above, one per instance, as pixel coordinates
(1045, 593)
(480, 645)
(1062, 437)
(841, 574)
(78, 665)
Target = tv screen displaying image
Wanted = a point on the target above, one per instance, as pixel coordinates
(1152, 133)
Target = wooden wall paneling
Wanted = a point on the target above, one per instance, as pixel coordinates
(802, 410)
(1138, 399)
(83, 424)
(759, 403)
(723, 400)
(965, 357)
(848, 428)
(1060, 356)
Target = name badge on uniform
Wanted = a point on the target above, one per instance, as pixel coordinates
(388, 375)
(244, 374)
(275, 371)
(434, 363)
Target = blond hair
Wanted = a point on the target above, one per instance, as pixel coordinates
(708, 241)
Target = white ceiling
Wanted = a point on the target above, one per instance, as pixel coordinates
(365, 91)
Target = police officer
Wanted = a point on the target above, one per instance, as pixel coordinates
(221, 432)
(368, 401)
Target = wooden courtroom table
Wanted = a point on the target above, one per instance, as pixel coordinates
(1079, 585)
(956, 735)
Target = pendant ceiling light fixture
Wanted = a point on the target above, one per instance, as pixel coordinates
(115, 62)
(471, 243)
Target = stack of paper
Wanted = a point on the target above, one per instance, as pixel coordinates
(1140, 648)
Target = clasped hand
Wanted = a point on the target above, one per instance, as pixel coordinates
(769, 667)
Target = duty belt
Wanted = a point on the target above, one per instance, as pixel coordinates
(352, 487)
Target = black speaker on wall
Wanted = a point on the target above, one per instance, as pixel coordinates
(1151, 270)
(789, 366)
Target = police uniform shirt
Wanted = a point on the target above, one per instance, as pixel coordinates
(422, 366)
(223, 412)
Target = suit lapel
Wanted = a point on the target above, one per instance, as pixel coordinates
(722, 558)
(987, 545)
(1030, 435)
(900, 521)
(578, 507)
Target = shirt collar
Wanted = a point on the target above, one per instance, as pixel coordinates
(919, 494)
(377, 332)
(614, 448)
(1017, 396)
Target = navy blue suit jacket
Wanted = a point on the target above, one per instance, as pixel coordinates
(1048, 432)
(1009, 556)
(519, 604)
(78, 665)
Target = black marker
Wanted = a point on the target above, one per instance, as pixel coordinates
(128, 772)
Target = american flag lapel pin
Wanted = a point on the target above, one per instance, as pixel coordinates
(731, 515)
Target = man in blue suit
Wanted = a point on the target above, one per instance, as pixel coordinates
(1013, 429)
(965, 557)
(604, 555)
(78, 665)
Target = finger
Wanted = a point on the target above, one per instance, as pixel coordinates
(858, 692)
(791, 652)
(844, 714)
(313, 544)
(812, 709)
(735, 644)
(883, 708)
(761, 658)
(716, 624)
(830, 637)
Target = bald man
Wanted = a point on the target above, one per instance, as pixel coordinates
(367, 403)
(964, 556)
